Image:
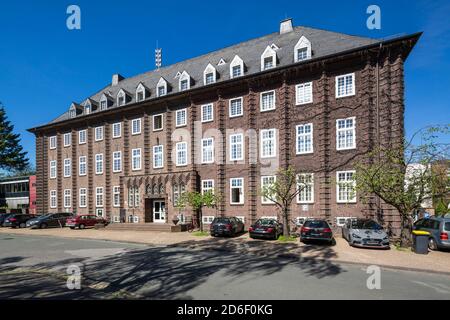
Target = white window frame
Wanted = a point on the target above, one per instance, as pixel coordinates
(83, 198)
(116, 196)
(67, 139)
(67, 198)
(52, 142)
(180, 112)
(114, 126)
(209, 150)
(237, 61)
(241, 99)
(353, 87)
(273, 140)
(301, 196)
(67, 168)
(209, 70)
(268, 53)
(207, 188)
(136, 125)
(99, 133)
(240, 144)
(140, 88)
(162, 122)
(304, 136)
(184, 77)
(264, 200)
(99, 162)
(53, 199)
(241, 191)
(104, 100)
(208, 219)
(161, 83)
(53, 169)
(338, 224)
(136, 159)
(302, 43)
(121, 94)
(155, 154)
(177, 154)
(242, 218)
(338, 186)
(261, 102)
(82, 133)
(114, 159)
(80, 165)
(99, 195)
(208, 105)
(345, 130)
(304, 93)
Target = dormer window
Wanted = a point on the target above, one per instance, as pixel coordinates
(103, 102)
(268, 59)
(236, 67)
(87, 109)
(209, 75)
(161, 87)
(121, 98)
(184, 81)
(302, 50)
(73, 113)
(140, 93)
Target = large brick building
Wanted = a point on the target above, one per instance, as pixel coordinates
(227, 120)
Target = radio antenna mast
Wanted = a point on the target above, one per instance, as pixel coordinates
(158, 56)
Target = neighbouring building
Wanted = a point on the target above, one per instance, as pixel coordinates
(226, 121)
(18, 194)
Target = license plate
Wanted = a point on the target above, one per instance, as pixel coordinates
(372, 242)
(70, 224)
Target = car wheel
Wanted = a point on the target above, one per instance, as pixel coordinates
(432, 244)
(81, 226)
(43, 226)
(22, 225)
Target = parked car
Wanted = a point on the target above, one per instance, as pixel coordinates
(439, 229)
(17, 220)
(84, 221)
(3, 217)
(49, 220)
(316, 229)
(365, 233)
(266, 228)
(226, 226)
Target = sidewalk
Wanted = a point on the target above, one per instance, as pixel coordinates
(435, 261)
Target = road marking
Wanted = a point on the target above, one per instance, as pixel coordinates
(434, 286)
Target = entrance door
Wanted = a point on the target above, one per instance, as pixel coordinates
(159, 212)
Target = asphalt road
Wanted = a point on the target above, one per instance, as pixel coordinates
(35, 267)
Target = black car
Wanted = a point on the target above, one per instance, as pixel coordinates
(50, 220)
(316, 229)
(17, 220)
(226, 226)
(3, 217)
(266, 228)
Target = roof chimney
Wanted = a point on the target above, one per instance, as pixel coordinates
(286, 26)
(116, 78)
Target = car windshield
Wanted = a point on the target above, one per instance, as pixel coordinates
(447, 226)
(316, 224)
(366, 224)
(265, 222)
(221, 220)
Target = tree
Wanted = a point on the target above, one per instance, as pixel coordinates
(197, 201)
(404, 177)
(282, 192)
(12, 156)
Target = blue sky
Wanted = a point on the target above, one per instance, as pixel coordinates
(44, 66)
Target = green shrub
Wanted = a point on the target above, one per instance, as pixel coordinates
(286, 239)
(200, 234)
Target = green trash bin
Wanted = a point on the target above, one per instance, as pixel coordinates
(420, 241)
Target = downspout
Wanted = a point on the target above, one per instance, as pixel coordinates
(377, 76)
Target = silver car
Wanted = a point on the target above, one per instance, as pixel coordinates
(439, 229)
(365, 233)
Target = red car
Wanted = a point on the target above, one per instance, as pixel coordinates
(85, 220)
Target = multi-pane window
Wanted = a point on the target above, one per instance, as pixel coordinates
(117, 161)
(99, 133)
(103, 104)
(117, 130)
(207, 112)
(83, 198)
(345, 186)
(140, 95)
(52, 142)
(345, 85)
(133, 197)
(136, 126)
(180, 117)
(302, 54)
(305, 187)
(136, 159)
(184, 85)
(266, 182)
(72, 113)
(237, 190)
(268, 63)
(99, 163)
(345, 133)
(67, 198)
(67, 139)
(157, 122)
(208, 150)
(53, 169)
(121, 99)
(207, 186)
(181, 153)
(209, 78)
(116, 196)
(67, 168)
(237, 71)
(267, 101)
(53, 199)
(158, 157)
(268, 143)
(87, 109)
(82, 136)
(236, 147)
(99, 197)
(236, 107)
(303, 93)
(178, 190)
(161, 91)
(304, 138)
(82, 167)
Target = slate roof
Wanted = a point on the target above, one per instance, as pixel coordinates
(323, 43)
